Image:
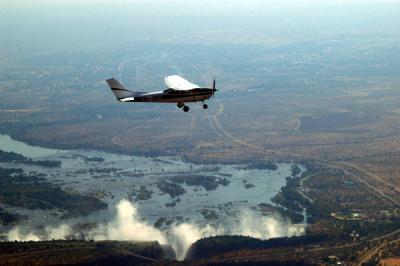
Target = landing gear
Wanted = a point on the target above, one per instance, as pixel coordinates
(184, 107)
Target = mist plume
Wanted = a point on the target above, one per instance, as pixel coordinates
(129, 226)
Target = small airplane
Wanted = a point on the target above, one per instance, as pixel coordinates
(179, 91)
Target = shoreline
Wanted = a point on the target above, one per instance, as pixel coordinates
(117, 150)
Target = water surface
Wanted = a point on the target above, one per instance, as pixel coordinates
(115, 177)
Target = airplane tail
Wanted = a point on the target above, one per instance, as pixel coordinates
(119, 90)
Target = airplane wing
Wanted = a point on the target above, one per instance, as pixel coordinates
(178, 83)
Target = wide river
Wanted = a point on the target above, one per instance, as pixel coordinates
(117, 177)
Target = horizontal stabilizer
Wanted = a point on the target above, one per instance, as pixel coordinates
(121, 93)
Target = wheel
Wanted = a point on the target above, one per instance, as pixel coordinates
(186, 108)
(180, 105)
(205, 106)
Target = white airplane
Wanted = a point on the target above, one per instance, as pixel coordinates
(179, 91)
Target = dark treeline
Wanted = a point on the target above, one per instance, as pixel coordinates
(207, 182)
(12, 157)
(289, 195)
(84, 252)
(261, 263)
(211, 246)
(261, 165)
(7, 218)
(32, 192)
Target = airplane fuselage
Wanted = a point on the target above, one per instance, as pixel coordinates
(172, 96)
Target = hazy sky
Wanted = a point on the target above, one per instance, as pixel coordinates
(47, 24)
(194, 6)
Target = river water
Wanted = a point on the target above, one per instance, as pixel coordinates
(116, 176)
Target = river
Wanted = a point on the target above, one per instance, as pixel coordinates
(115, 177)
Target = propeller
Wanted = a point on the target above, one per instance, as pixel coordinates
(213, 88)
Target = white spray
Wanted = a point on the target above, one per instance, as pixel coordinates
(22, 234)
(128, 225)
